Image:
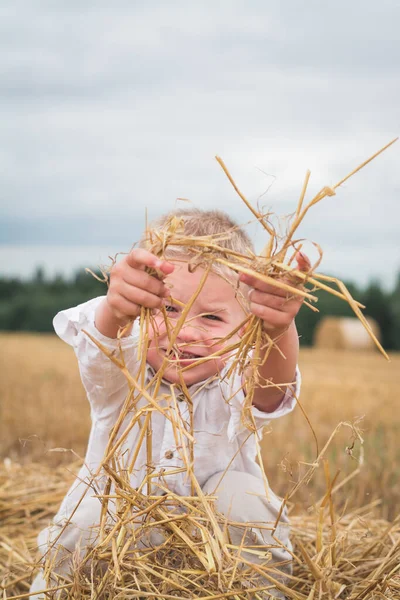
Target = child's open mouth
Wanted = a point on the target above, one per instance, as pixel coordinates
(179, 355)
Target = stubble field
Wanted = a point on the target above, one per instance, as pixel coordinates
(345, 523)
(44, 410)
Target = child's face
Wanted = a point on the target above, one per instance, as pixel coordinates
(214, 314)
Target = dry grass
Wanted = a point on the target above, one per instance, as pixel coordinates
(364, 550)
(43, 403)
(43, 407)
(331, 563)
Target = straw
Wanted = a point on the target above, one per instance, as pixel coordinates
(155, 543)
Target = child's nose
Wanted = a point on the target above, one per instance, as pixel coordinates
(189, 333)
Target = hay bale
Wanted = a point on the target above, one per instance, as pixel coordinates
(345, 333)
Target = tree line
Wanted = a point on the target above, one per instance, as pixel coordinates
(30, 305)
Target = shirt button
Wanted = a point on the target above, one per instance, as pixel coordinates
(169, 454)
(180, 398)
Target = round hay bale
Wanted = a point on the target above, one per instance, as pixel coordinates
(345, 333)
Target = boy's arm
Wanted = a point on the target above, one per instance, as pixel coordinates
(278, 312)
(278, 370)
(105, 384)
(130, 288)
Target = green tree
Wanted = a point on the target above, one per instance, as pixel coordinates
(379, 307)
(32, 305)
(394, 301)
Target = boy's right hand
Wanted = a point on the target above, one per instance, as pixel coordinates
(130, 288)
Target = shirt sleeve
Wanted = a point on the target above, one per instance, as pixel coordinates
(261, 418)
(106, 386)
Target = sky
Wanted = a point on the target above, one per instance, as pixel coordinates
(109, 109)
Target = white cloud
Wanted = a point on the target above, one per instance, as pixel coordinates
(111, 108)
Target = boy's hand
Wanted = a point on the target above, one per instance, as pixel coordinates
(131, 288)
(275, 306)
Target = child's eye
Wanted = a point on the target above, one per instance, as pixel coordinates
(213, 317)
(170, 308)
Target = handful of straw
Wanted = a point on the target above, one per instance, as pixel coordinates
(194, 556)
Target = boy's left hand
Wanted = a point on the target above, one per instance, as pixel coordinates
(273, 305)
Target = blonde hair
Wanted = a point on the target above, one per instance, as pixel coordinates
(215, 225)
(203, 223)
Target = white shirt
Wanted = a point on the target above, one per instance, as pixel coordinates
(221, 439)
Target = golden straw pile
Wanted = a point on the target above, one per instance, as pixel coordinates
(167, 546)
(336, 556)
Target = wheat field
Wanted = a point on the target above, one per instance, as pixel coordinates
(45, 418)
(347, 548)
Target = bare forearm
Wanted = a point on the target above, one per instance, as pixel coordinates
(277, 370)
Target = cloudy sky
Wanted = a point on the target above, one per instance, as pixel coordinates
(111, 107)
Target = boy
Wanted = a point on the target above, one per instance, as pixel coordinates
(197, 363)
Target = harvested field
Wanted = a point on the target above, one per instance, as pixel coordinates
(43, 408)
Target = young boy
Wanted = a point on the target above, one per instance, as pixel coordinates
(222, 441)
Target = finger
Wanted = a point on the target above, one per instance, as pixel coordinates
(139, 296)
(262, 286)
(140, 279)
(303, 262)
(139, 258)
(273, 319)
(126, 308)
(122, 308)
(265, 299)
(289, 305)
